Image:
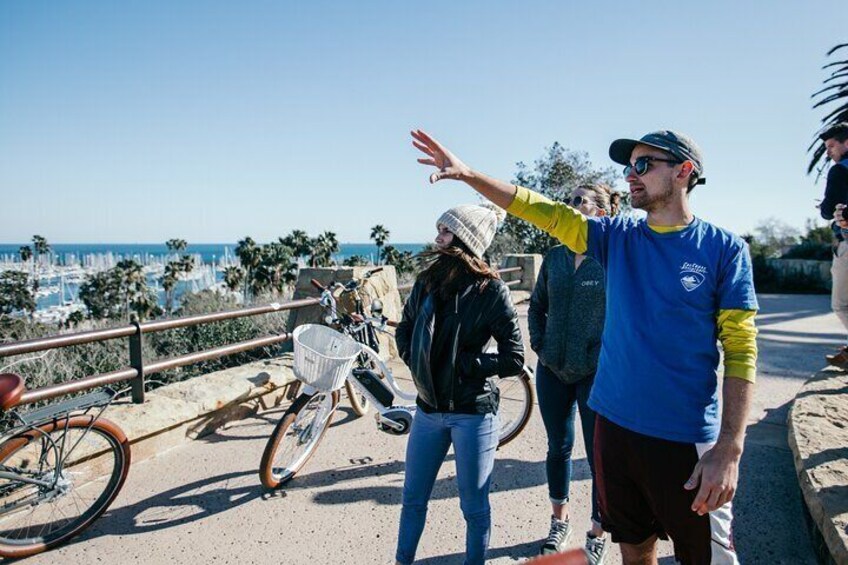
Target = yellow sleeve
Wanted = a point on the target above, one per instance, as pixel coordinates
(561, 221)
(738, 336)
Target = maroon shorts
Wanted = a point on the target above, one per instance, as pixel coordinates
(640, 490)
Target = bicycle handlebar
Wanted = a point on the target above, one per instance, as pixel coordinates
(351, 285)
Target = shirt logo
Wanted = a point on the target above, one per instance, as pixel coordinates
(692, 276)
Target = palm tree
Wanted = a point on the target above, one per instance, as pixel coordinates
(281, 263)
(233, 278)
(380, 235)
(26, 253)
(836, 92)
(355, 261)
(298, 241)
(323, 248)
(41, 245)
(169, 284)
(186, 264)
(132, 285)
(390, 255)
(175, 271)
(176, 244)
(250, 255)
(402, 261)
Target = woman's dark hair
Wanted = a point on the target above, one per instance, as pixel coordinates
(453, 268)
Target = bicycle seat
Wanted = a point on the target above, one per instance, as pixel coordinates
(11, 389)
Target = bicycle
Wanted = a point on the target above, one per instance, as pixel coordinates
(324, 362)
(61, 467)
(350, 324)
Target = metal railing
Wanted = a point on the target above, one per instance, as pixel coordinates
(137, 369)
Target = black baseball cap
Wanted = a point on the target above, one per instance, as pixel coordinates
(679, 145)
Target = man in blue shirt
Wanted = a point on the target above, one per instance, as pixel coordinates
(666, 465)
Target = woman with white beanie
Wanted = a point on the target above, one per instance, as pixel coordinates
(456, 305)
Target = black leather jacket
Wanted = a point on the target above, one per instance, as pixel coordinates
(460, 383)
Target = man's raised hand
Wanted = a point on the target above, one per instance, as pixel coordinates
(449, 165)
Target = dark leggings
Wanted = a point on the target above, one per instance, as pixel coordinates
(558, 402)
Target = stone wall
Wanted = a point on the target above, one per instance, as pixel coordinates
(382, 285)
(818, 437)
(530, 264)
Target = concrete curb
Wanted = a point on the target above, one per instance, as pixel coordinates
(818, 438)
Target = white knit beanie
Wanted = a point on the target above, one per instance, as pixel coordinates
(475, 225)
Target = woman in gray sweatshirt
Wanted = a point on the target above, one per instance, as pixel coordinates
(566, 319)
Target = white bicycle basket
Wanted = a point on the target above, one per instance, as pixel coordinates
(323, 357)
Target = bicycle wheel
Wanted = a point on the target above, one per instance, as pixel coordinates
(296, 437)
(82, 463)
(358, 401)
(516, 405)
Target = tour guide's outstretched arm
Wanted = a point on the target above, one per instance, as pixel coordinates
(561, 221)
(716, 473)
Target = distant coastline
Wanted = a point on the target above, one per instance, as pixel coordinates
(210, 252)
(65, 268)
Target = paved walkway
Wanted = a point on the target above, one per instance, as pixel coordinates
(203, 503)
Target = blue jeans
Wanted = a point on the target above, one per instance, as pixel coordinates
(558, 402)
(474, 438)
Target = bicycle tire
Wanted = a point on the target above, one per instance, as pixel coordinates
(516, 406)
(358, 402)
(278, 467)
(91, 451)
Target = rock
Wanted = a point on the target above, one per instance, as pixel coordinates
(818, 438)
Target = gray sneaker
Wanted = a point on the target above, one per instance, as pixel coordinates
(596, 549)
(557, 537)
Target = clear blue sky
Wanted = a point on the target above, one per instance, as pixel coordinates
(142, 121)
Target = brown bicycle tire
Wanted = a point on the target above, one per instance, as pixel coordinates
(527, 385)
(266, 468)
(118, 444)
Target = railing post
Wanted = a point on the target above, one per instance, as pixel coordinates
(530, 264)
(137, 362)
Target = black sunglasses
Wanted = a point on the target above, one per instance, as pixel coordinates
(643, 164)
(576, 201)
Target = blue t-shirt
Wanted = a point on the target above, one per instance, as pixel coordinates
(657, 373)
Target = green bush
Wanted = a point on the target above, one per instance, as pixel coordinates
(810, 250)
(71, 363)
(61, 365)
(181, 341)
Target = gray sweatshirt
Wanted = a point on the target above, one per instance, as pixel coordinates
(566, 315)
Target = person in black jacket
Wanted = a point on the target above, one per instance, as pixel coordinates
(456, 305)
(566, 320)
(835, 198)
